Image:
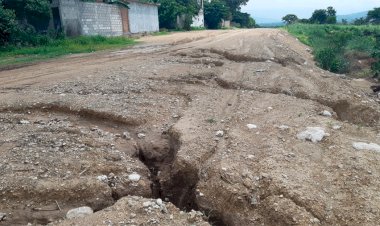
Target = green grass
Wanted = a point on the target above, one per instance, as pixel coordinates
(337, 48)
(13, 56)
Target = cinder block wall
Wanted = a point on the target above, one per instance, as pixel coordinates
(86, 18)
(143, 17)
(100, 19)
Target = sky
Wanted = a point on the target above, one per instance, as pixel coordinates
(276, 9)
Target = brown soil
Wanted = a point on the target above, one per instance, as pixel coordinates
(155, 108)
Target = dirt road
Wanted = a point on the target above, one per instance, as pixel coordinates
(239, 125)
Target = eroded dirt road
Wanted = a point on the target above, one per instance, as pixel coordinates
(209, 121)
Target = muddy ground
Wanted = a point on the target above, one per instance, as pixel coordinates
(209, 120)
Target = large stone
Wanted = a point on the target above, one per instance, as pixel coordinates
(313, 134)
(79, 212)
(366, 146)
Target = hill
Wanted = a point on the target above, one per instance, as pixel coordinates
(351, 17)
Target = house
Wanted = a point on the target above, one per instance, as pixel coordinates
(78, 17)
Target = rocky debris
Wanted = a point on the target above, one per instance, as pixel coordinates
(219, 133)
(366, 146)
(252, 126)
(79, 212)
(313, 134)
(102, 178)
(135, 177)
(24, 122)
(284, 127)
(337, 127)
(141, 135)
(3, 216)
(326, 113)
(134, 210)
(127, 135)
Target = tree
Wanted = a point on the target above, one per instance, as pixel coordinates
(331, 11)
(34, 12)
(244, 19)
(8, 24)
(290, 19)
(319, 16)
(373, 16)
(215, 11)
(331, 15)
(344, 22)
(169, 10)
(235, 5)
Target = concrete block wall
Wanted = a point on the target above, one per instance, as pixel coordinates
(143, 17)
(86, 18)
(100, 19)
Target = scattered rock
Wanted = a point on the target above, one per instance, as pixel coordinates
(337, 127)
(24, 122)
(102, 178)
(252, 126)
(135, 177)
(2, 216)
(283, 127)
(219, 133)
(313, 134)
(127, 135)
(141, 135)
(326, 113)
(79, 212)
(159, 202)
(366, 146)
(147, 204)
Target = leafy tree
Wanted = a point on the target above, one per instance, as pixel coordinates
(8, 24)
(331, 15)
(38, 13)
(344, 22)
(235, 5)
(34, 12)
(373, 16)
(169, 10)
(290, 19)
(331, 11)
(244, 19)
(319, 16)
(215, 11)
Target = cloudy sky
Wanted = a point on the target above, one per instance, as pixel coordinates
(276, 9)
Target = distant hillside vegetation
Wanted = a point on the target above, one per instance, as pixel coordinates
(351, 17)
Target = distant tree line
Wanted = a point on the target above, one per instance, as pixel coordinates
(328, 16)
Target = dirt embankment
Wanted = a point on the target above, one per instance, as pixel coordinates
(221, 122)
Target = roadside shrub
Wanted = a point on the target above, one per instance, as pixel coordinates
(329, 59)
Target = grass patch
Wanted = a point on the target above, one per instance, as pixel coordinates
(341, 48)
(12, 55)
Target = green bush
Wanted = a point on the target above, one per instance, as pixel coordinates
(8, 24)
(330, 59)
(338, 48)
(38, 13)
